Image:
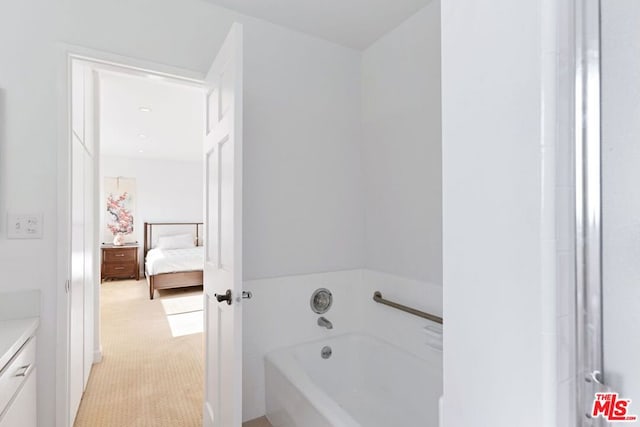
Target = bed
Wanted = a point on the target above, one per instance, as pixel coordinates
(173, 255)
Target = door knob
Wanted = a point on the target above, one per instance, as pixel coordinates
(226, 297)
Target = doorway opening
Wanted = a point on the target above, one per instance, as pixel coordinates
(135, 158)
(80, 265)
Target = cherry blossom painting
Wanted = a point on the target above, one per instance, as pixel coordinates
(119, 210)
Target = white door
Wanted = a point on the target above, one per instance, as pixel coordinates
(223, 236)
(83, 250)
(76, 290)
(89, 275)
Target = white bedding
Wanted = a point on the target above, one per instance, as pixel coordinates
(160, 261)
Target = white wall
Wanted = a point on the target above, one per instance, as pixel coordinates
(621, 204)
(302, 203)
(307, 167)
(499, 100)
(166, 191)
(28, 168)
(302, 184)
(401, 149)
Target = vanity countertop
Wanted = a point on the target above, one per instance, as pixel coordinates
(13, 334)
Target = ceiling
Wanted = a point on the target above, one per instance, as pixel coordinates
(171, 130)
(352, 23)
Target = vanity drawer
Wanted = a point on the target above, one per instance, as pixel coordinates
(17, 371)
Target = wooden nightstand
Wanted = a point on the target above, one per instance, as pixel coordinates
(120, 262)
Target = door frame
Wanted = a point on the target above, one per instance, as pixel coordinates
(65, 55)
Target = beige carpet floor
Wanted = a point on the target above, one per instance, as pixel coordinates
(153, 366)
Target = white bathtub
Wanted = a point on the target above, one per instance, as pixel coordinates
(366, 382)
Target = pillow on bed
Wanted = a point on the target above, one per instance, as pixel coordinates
(178, 241)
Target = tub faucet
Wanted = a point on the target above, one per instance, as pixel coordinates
(322, 321)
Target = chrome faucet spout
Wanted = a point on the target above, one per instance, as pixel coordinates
(322, 321)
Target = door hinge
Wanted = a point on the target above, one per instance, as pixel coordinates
(66, 285)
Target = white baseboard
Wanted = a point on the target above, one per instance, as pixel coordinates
(97, 356)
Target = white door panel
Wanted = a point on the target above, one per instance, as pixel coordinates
(89, 274)
(223, 236)
(83, 250)
(76, 320)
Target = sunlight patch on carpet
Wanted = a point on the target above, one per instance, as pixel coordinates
(183, 304)
(186, 323)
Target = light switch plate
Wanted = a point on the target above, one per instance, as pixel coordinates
(24, 226)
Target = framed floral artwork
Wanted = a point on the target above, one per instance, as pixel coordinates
(119, 199)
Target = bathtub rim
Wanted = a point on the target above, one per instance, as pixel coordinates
(435, 353)
(291, 369)
(316, 397)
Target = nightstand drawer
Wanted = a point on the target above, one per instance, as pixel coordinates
(115, 269)
(120, 255)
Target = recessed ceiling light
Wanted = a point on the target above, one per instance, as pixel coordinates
(145, 109)
(140, 151)
(142, 136)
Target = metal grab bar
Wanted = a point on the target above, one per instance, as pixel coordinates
(377, 297)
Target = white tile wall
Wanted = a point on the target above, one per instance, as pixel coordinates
(565, 349)
(279, 315)
(566, 404)
(399, 328)
(565, 278)
(565, 312)
(565, 224)
(549, 218)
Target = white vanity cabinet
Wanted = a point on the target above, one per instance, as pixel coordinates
(18, 373)
(22, 410)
